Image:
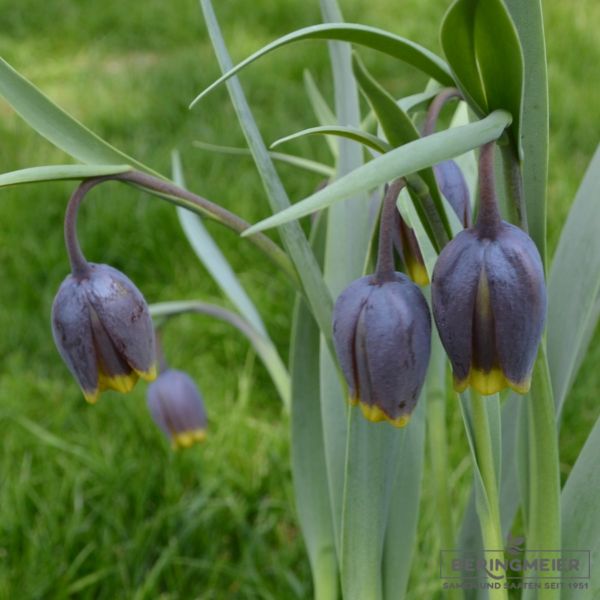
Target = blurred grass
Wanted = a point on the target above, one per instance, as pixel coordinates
(93, 504)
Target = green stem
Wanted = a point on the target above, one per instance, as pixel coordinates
(491, 529)
(514, 185)
(543, 531)
(182, 197)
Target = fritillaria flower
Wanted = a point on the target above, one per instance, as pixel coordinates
(382, 334)
(489, 298)
(103, 331)
(177, 408)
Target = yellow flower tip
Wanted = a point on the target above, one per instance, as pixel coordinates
(376, 415)
(118, 383)
(353, 400)
(492, 382)
(186, 439)
(521, 387)
(417, 272)
(150, 375)
(91, 396)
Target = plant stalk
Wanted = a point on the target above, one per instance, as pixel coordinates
(182, 197)
(544, 525)
(491, 529)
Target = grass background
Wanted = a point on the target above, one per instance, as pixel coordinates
(93, 504)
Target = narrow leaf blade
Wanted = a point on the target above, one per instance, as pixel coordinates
(396, 163)
(370, 37)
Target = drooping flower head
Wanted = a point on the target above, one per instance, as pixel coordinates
(382, 336)
(489, 298)
(103, 331)
(382, 333)
(177, 408)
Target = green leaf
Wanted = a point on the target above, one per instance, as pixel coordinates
(576, 266)
(399, 130)
(308, 455)
(290, 159)
(56, 125)
(500, 62)
(490, 74)
(581, 511)
(351, 133)
(401, 529)
(527, 17)
(59, 172)
(295, 241)
(346, 245)
(457, 36)
(396, 163)
(262, 344)
(370, 37)
(324, 114)
(211, 256)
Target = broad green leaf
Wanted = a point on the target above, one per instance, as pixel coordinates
(262, 344)
(56, 125)
(574, 285)
(412, 103)
(457, 36)
(581, 512)
(297, 245)
(212, 258)
(324, 114)
(490, 74)
(500, 62)
(527, 17)
(59, 172)
(309, 468)
(402, 161)
(362, 137)
(290, 159)
(399, 130)
(371, 464)
(401, 528)
(346, 244)
(370, 37)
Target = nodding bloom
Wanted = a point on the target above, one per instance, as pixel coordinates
(453, 186)
(103, 331)
(382, 336)
(177, 408)
(489, 298)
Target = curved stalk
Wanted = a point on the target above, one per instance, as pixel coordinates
(385, 253)
(181, 197)
(435, 108)
(261, 344)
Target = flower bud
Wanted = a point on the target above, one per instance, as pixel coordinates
(103, 331)
(177, 408)
(382, 336)
(453, 186)
(407, 247)
(489, 305)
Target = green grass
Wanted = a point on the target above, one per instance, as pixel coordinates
(93, 504)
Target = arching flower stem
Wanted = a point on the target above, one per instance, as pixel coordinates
(177, 195)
